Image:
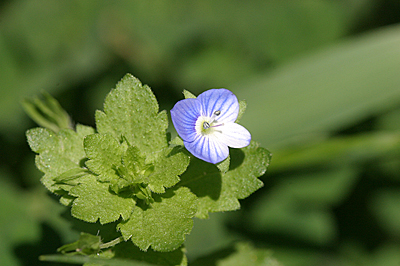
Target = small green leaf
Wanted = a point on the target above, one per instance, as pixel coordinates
(242, 108)
(47, 112)
(94, 201)
(164, 224)
(188, 94)
(71, 176)
(224, 165)
(177, 141)
(86, 245)
(218, 191)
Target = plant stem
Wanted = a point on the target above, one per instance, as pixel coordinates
(112, 243)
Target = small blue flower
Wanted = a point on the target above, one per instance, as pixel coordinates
(207, 125)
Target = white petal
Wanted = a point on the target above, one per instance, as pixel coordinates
(233, 135)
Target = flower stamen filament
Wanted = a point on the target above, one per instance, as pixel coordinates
(214, 116)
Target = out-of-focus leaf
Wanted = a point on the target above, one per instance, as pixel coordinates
(17, 225)
(242, 254)
(325, 91)
(386, 255)
(45, 45)
(298, 205)
(390, 121)
(47, 112)
(79, 259)
(127, 250)
(386, 205)
(282, 216)
(337, 151)
(210, 235)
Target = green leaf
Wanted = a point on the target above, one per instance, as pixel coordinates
(337, 150)
(324, 91)
(281, 211)
(188, 94)
(243, 254)
(224, 165)
(127, 250)
(164, 224)
(86, 245)
(131, 110)
(104, 153)
(58, 153)
(47, 113)
(131, 114)
(218, 191)
(18, 223)
(385, 206)
(79, 259)
(246, 255)
(167, 169)
(177, 141)
(94, 201)
(242, 109)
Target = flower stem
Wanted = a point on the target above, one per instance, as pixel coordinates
(112, 243)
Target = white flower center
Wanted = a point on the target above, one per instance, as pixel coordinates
(206, 125)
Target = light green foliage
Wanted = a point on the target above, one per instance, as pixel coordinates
(95, 202)
(103, 152)
(164, 224)
(188, 94)
(87, 244)
(58, 153)
(126, 172)
(220, 191)
(47, 113)
(131, 110)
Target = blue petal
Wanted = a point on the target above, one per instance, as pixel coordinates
(219, 100)
(208, 148)
(184, 116)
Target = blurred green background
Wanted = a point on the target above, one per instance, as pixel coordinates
(322, 82)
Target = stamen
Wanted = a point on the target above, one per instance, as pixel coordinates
(218, 125)
(215, 114)
(206, 125)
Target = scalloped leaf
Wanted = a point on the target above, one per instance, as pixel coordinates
(218, 191)
(104, 152)
(94, 201)
(162, 226)
(58, 153)
(131, 110)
